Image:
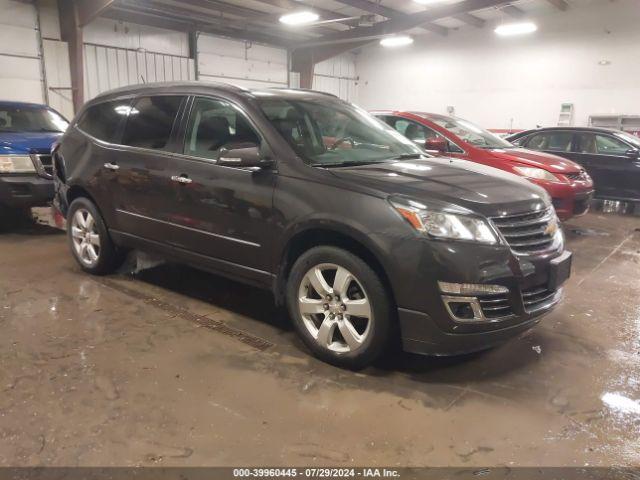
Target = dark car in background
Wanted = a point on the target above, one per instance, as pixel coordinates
(569, 186)
(27, 132)
(346, 221)
(611, 157)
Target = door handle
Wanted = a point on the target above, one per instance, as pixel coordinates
(111, 166)
(181, 179)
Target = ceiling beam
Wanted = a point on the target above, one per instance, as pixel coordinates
(377, 9)
(402, 24)
(471, 20)
(87, 10)
(513, 11)
(560, 4)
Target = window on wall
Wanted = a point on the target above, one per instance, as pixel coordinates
(150, 122)
(215, 124)
(102, 121)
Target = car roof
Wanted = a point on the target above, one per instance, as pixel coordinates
(572, 129)
(14, 104)
(203, 88)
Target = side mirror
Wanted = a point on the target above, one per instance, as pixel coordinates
(436, 145)
(633, 153)
(243, 157)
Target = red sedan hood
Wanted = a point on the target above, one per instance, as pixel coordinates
(551, 163)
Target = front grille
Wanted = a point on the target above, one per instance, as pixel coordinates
(44, 164)
(528, 233)
(579, 176)
(495, 306)
(536, 297)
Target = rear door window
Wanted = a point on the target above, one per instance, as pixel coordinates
(103, 120)
(150, 122)
(552, 141)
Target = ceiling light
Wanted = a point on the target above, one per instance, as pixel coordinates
(508, 29)
(299, 18)
(396, 41)
(427, 2)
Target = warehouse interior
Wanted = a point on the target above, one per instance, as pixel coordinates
(164, 365)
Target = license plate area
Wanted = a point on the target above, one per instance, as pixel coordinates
(560, 270)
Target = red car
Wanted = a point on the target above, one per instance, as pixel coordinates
(569, 185)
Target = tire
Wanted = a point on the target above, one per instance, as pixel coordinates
(321, 313)
(89, 239)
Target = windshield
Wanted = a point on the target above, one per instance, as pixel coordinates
(627, 137)
(30, 119)
(471, 133)
(325, 132)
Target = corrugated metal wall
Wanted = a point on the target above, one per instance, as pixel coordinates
(245, 64)
(119, 54)
(338, 76)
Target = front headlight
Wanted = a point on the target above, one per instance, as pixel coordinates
(16, 164)
(537, 173)
(444, 225)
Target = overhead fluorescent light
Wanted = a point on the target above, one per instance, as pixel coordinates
(427, 2)
(509, 29)
(299, 18)
(396, 41)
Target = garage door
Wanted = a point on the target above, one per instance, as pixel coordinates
(20, 65)
(338, 76)
(245, 64)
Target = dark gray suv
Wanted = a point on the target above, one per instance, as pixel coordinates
(363, 236)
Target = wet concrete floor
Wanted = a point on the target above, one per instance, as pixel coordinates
(172, 366)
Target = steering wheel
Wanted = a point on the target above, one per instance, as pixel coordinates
(340, 141)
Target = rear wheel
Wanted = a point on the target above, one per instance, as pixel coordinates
(339, 307)
(89, 240)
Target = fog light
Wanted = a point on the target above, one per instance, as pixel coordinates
(471, 289)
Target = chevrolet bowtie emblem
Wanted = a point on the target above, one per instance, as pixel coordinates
(552, 228)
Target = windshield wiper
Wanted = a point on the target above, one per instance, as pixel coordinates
(346, 164)
(408, 156)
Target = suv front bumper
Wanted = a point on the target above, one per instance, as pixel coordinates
(24, 191)
(427, 326)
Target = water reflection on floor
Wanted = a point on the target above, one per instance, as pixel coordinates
(616, 206)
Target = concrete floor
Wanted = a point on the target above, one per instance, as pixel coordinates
(176, 367)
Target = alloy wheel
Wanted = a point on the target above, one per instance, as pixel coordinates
(85, 236)
(335, 308)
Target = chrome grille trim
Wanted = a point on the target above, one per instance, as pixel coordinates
(526, 233)
(44, 164)
(539, 298)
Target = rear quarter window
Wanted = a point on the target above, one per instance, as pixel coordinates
(151, 121)
(103, 120)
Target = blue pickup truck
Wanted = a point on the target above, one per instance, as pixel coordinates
(27, 132)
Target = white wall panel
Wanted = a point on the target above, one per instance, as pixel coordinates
(56, 62)
(107, 68)
(492, 80)
(103, 31)
(241, 63)
(338, 76)
(20, 67)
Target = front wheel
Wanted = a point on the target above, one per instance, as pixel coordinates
(89, 239)
(339, 306)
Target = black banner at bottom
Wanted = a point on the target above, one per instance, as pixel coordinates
(235, 473)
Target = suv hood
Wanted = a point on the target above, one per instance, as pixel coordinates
(532, 158)
(473, 186)
(27, 142)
